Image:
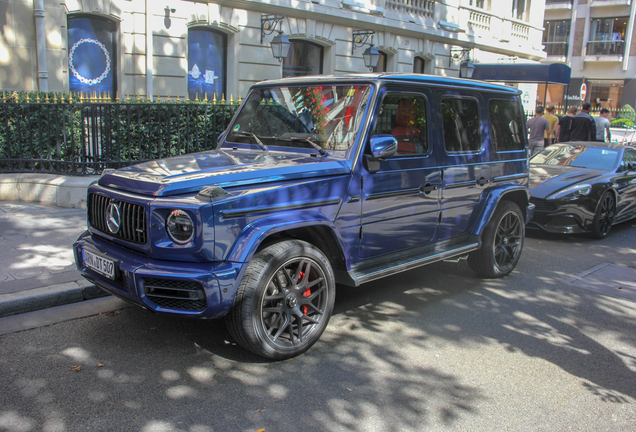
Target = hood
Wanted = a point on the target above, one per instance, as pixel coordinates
(547, 179)
(224, 168)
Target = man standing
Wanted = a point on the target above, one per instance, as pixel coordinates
(563, 128)
(583, 125)
(603, 126)
(537, 126)
(553, 120)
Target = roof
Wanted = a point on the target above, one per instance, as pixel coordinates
(394, 76)
(600, 144)
(552, 73)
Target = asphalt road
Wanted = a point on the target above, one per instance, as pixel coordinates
(432, 349)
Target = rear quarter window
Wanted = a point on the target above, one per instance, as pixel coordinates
(506, 125)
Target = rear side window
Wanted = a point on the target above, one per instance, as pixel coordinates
(462, 128)
(404, 117)
(506, 125)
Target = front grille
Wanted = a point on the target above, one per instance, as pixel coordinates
(542, 205)
(132, 226)
(175, 294)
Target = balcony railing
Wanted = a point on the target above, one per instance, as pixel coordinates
(420, 8)
(479, 21)
(556, 48)
(605, 48)
(520, 31)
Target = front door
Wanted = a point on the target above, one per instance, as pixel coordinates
(400, 203)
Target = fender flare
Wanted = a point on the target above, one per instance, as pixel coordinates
(521, 197)
(247, 242)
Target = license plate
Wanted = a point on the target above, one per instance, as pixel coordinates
(99, 264)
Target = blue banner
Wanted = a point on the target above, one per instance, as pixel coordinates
(206, 64)
(91, 55)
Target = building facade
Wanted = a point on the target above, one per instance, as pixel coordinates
(596, 38)
(219, 48)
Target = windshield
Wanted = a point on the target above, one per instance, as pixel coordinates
(577, 156)
(324, 117)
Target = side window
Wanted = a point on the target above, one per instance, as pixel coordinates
(460, 119)
(404, 116)
(506, 125)
(628, 157)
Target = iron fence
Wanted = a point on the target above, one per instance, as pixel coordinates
(84, 138)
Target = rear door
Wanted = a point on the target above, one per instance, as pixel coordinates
(400, 201)
(464, 160)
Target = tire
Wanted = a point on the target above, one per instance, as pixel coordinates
(502, 243)
(604, 216)
(284, 301)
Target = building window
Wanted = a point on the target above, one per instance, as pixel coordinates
(555, 37)
(605, 93)
(607, 36)
(304, 58)
(207, 63)
(382, 61)
(519, 9)
(418, 65)
(477, 3)
(92, 55)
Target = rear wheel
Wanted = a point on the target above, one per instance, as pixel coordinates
(604, 217)
(502, 242)
(284, 301)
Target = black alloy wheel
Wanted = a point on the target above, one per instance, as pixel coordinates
(604, 217)
(502, 242)
(284, 301)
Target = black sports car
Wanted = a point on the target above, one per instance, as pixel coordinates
(579, 187)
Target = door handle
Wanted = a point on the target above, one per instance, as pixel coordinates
(428, 188)
(482, 181)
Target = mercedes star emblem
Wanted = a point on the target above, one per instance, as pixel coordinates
(113, 218)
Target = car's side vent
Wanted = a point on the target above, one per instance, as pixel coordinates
(175, 294)
(132, 218)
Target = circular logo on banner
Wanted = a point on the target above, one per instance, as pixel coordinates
(583, 91)
(76, 74)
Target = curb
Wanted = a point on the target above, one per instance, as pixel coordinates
(43, 298)
(59, 190)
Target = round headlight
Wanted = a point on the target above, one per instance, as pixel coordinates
(179, 226)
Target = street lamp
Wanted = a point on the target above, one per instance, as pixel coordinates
(466, 69)
(371, 55)
(280, 44)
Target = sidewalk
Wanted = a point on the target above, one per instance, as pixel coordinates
(37, 268)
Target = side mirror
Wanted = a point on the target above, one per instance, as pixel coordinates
(382, 147)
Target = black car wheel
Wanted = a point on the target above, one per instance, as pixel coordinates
(284, 301)
(502, 242)
(604, 217)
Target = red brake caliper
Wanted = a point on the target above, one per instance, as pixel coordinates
(307, 293)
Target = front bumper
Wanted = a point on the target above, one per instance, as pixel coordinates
(561, 218)
(199, 290)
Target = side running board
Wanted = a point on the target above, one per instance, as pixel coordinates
(378, 268)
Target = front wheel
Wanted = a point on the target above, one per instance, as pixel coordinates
(502, 242)
(604, 216)
(284, 301)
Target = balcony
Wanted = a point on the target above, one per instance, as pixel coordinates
(559, 49)
(559, 4)
(607, 3)
(604, 48)
(604, 51)
(416, 8)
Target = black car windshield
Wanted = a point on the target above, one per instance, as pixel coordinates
(598, 158)
(323, 117)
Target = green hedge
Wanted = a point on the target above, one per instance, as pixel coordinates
(621, 122)
(627, 112)
(83, 138)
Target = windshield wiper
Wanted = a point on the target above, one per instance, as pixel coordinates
(321, 150)
(250, 134)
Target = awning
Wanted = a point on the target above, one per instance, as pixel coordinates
(549, 73)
